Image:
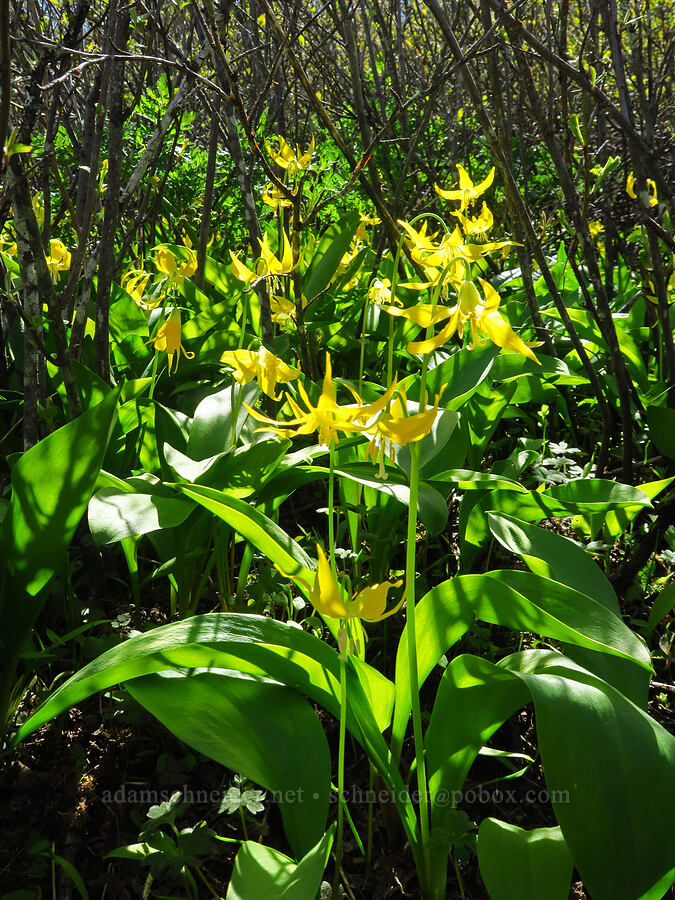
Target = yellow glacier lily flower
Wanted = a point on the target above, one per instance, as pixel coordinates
(167, 264)
(273, 197)
(274, 266)
(467, 191)
(287, 159)
(59, 258)
(397, 427)
(327, 418)
(134, 282)
(369, 604)
(267, 265)
(650, 196)
(380, 291)
(482, 314)
(478, 226)
(168, 338)
(267, 369)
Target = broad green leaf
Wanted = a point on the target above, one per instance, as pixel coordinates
(559, 558)
(513, 365)
(327, 257)
(431, 506)
(555, 556)
(516, 864)
(261, 871)
(521, 601)
(608, 768)
(480, 417)
(525, 601)
(607, 765)
(256, 727)
(51, 486)
(240, 472)
(592, 495)
(433, 443)
(211, 431)
(663, 604)
(661, 421)
(531, 506)
(456, 378)
(259, 530)
(125, 316)
(92, 389)
(618, 521)
(115, 515)
(442, 616)
(467, 480)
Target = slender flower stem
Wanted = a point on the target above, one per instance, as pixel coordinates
(331, 508)
(154, 375)
(341, 757)
(412, 657)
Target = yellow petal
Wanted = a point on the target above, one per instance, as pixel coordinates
(427, 346)
(325, 594)
(371, 601)
(424, 314)
(240, 271)
(630, 186)
(165, 261)
(501, 334)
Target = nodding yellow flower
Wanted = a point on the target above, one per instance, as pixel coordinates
(478, 226)
(595, 228)
(282, 308)
(482, 314)
(167, 264)
(650, 197)
(134, 282)
(284, 156)
(274, 266)
(380, 291)
(467, 191)
(168, 338)
(327, 418)
(273, 197)
(424, 314)
(59, 258)
(396, 427)
(268, 264)
(267, 369)
(370, 604)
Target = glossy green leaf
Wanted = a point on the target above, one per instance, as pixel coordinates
(555, 556)
(608, 768)
(516, 864)
(607, 765)
(431, 506)
(663, 605)
(115, 515)
(125, 316)
(618, 521)
(261, 871)
(236, 719)
(592, 495)
(51, 486)
(257, 528)
(661, 421)
(327, 257)
(442, 616)
(456, 378)
(467, 480)
(211, 431)
(480, 417)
